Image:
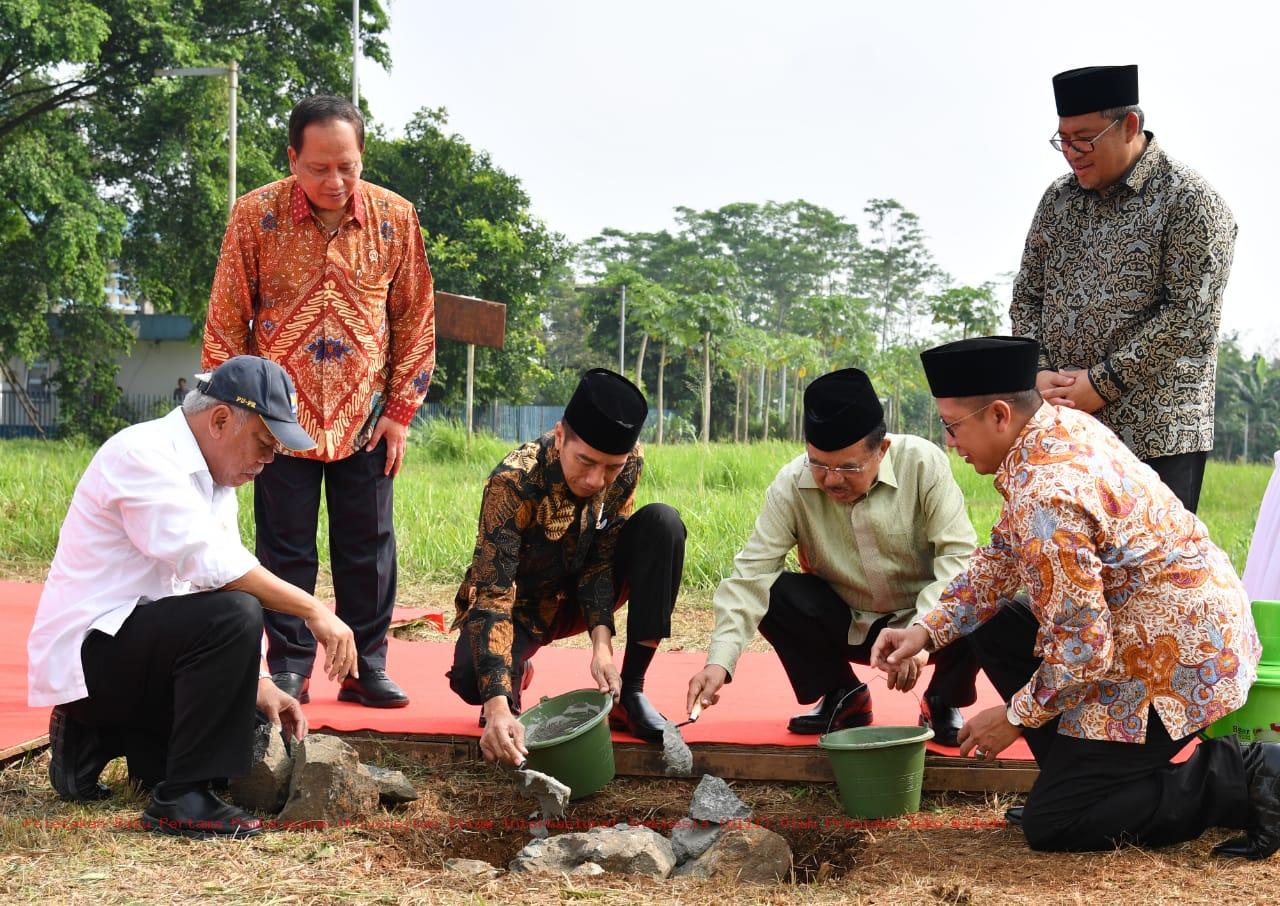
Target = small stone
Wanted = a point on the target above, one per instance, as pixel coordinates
(393, 787)
(676, 753)
(745, 853)
(265, 787)
(715, 802)
(690, 839)
(587, 870)
(472, 868)
(327, 785)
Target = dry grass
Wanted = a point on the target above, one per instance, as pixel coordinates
(963, 855)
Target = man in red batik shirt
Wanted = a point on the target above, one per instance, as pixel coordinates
(327, 275)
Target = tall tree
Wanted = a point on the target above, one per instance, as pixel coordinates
(106, 164)
(896, 268)
(482, 240)
(972, 310)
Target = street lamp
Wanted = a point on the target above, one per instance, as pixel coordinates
(232, 72)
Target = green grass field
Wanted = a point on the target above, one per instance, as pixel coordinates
(716, 488)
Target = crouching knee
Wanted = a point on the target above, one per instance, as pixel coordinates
(662, 519)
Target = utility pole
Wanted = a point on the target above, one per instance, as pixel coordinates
(355, 52)
(622, 334)
(232, 72)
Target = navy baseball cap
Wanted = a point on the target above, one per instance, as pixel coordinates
(262, 387)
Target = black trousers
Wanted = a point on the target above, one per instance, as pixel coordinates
(1095, 794)
(174, 690)
(1183, 473)
(648, 563)
(808, 626)
(362, 550)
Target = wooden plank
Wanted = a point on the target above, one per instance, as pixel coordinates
(732, 762)
(470, 320)
(14, 752)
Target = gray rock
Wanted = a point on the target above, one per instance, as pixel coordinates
(621, 849)
(587, 870)
(690, 839)
(393, 787)
(713, 801)
(746, 853)
(545, 854)
(472, 868)
(676, 753)
(266, 787)
(328, 784)
(550, 794)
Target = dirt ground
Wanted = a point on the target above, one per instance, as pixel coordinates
(957, 850)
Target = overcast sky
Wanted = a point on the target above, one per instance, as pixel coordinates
(612, 113)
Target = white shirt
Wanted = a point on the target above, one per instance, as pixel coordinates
(146, 522)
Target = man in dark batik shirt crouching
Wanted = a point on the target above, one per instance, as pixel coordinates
(557, 552)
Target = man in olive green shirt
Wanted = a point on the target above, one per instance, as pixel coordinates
(881, 529)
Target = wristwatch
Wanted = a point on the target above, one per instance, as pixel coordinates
(1010, 716)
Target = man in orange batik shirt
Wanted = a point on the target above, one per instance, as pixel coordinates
(327, 275)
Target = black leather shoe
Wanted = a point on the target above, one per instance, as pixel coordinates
(294, 684)
(77, 757)
(1014, 816)
(839, 709)
(197, 813)
(945, 721)
(374, 689)
(634, 714)
(1262, 772)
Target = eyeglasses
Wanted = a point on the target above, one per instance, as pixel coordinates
(951, 426)
(1080, 145)
(838, 471)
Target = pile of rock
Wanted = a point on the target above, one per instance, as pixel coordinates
(320, 782)
(716, 840)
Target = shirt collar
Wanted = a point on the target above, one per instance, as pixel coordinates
(185, 444)
(300, 208)
(1142, 169)
(1045, 417)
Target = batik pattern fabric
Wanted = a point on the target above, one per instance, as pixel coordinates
(1128, 285)
(351, 318)
(539, 548)
(1137, 607)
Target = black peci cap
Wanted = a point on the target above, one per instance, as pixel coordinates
(607, 411)
(840, 408)
(1095, 88)
(981, 366)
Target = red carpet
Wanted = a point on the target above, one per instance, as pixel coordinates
(753, 708)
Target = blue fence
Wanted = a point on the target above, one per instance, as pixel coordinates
(16, 422)
(507, 421)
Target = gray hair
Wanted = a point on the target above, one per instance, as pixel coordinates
(196, 402)
(1115, 113)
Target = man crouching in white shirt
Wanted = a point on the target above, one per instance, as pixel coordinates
(148, 633)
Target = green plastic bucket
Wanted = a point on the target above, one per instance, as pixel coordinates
(582, 757)
(880, 770)
(1266, 617)
(1259, 719)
